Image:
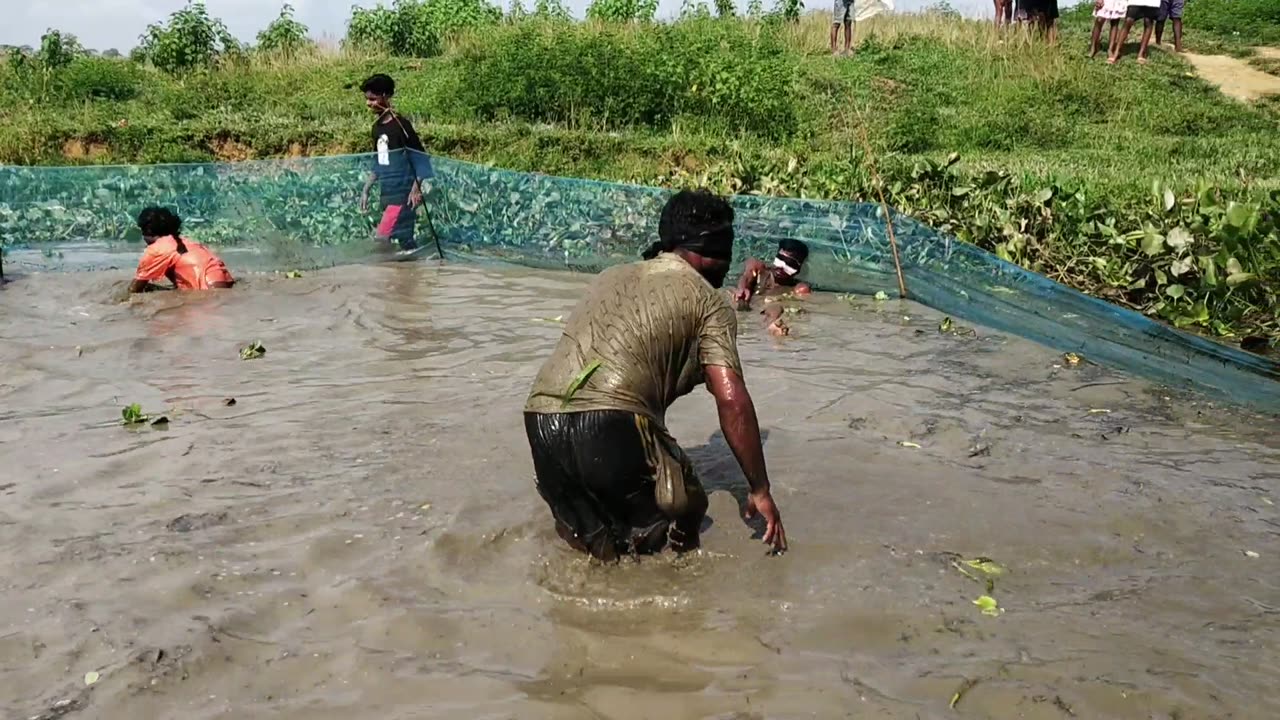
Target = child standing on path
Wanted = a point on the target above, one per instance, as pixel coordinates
(842, 12)
(1145, 10)
(1170, 10)
(1104, 12)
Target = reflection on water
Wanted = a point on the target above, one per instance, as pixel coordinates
(360, 537)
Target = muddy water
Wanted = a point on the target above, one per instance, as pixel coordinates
(358, 535)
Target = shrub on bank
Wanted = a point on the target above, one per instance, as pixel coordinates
(738, 76)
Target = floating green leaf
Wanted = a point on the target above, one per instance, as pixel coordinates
(133, 415)
(986, 566)
(91, 677)
(1175, 291)
(293, 274)
(988, 605)
(253, 351)
(881, 296)
(946, 325)
(581, 379)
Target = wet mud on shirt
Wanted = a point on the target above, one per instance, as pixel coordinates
(394, 161)
(652, 326)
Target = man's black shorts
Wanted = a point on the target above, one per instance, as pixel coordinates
(1142, 12)
(616, 482)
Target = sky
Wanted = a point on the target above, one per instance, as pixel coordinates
(104, 24)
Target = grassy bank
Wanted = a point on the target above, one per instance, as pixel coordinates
(1142, 185)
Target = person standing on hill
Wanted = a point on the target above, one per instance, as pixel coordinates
(1004, 13)
(1145, 10)
(843, 13)
(1170, 10)
(1043, 14)
(1107, 11)
(400, 166)
(646, 334)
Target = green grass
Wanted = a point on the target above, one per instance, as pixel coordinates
(756, 107)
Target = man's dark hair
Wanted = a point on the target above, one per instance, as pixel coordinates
(698, 221)
(159, 222)
(795, 248)
(379, 84)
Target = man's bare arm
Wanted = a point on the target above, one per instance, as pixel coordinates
(742, 432)
(739, 423)
(747, 283)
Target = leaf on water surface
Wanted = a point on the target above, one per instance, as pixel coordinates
(293, 274)
(1099, 411)
(988, 605)
(881, 295)
(162, 420)
(79, 351)
(253, 351)
(576, 384)
(987, 566)
(1071, 359)
(965, 687)
(91, 677)
(229, 402)
(1251, 554)
(908, 444)
(133, 415)
(945, 325)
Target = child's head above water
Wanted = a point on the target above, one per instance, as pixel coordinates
(157, 222)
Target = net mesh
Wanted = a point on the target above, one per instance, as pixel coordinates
(305, 212)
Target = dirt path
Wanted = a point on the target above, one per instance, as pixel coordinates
(1236, 77)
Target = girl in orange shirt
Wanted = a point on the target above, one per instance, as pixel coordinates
(186, 263)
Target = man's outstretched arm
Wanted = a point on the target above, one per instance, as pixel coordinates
(742, 431)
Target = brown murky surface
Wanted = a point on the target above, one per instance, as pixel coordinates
(358, 536)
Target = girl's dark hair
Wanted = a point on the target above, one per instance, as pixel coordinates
(160, 222)
(380, 84)
(697, 220)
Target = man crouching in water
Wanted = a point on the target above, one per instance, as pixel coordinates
(186, 263)
(775, 279)
(645, 334)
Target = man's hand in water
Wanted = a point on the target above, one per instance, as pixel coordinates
(742, 298)
(761, 503)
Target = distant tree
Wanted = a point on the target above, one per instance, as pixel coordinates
(191, 39)
(111, 53)
(58, 49)
(284, 35)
